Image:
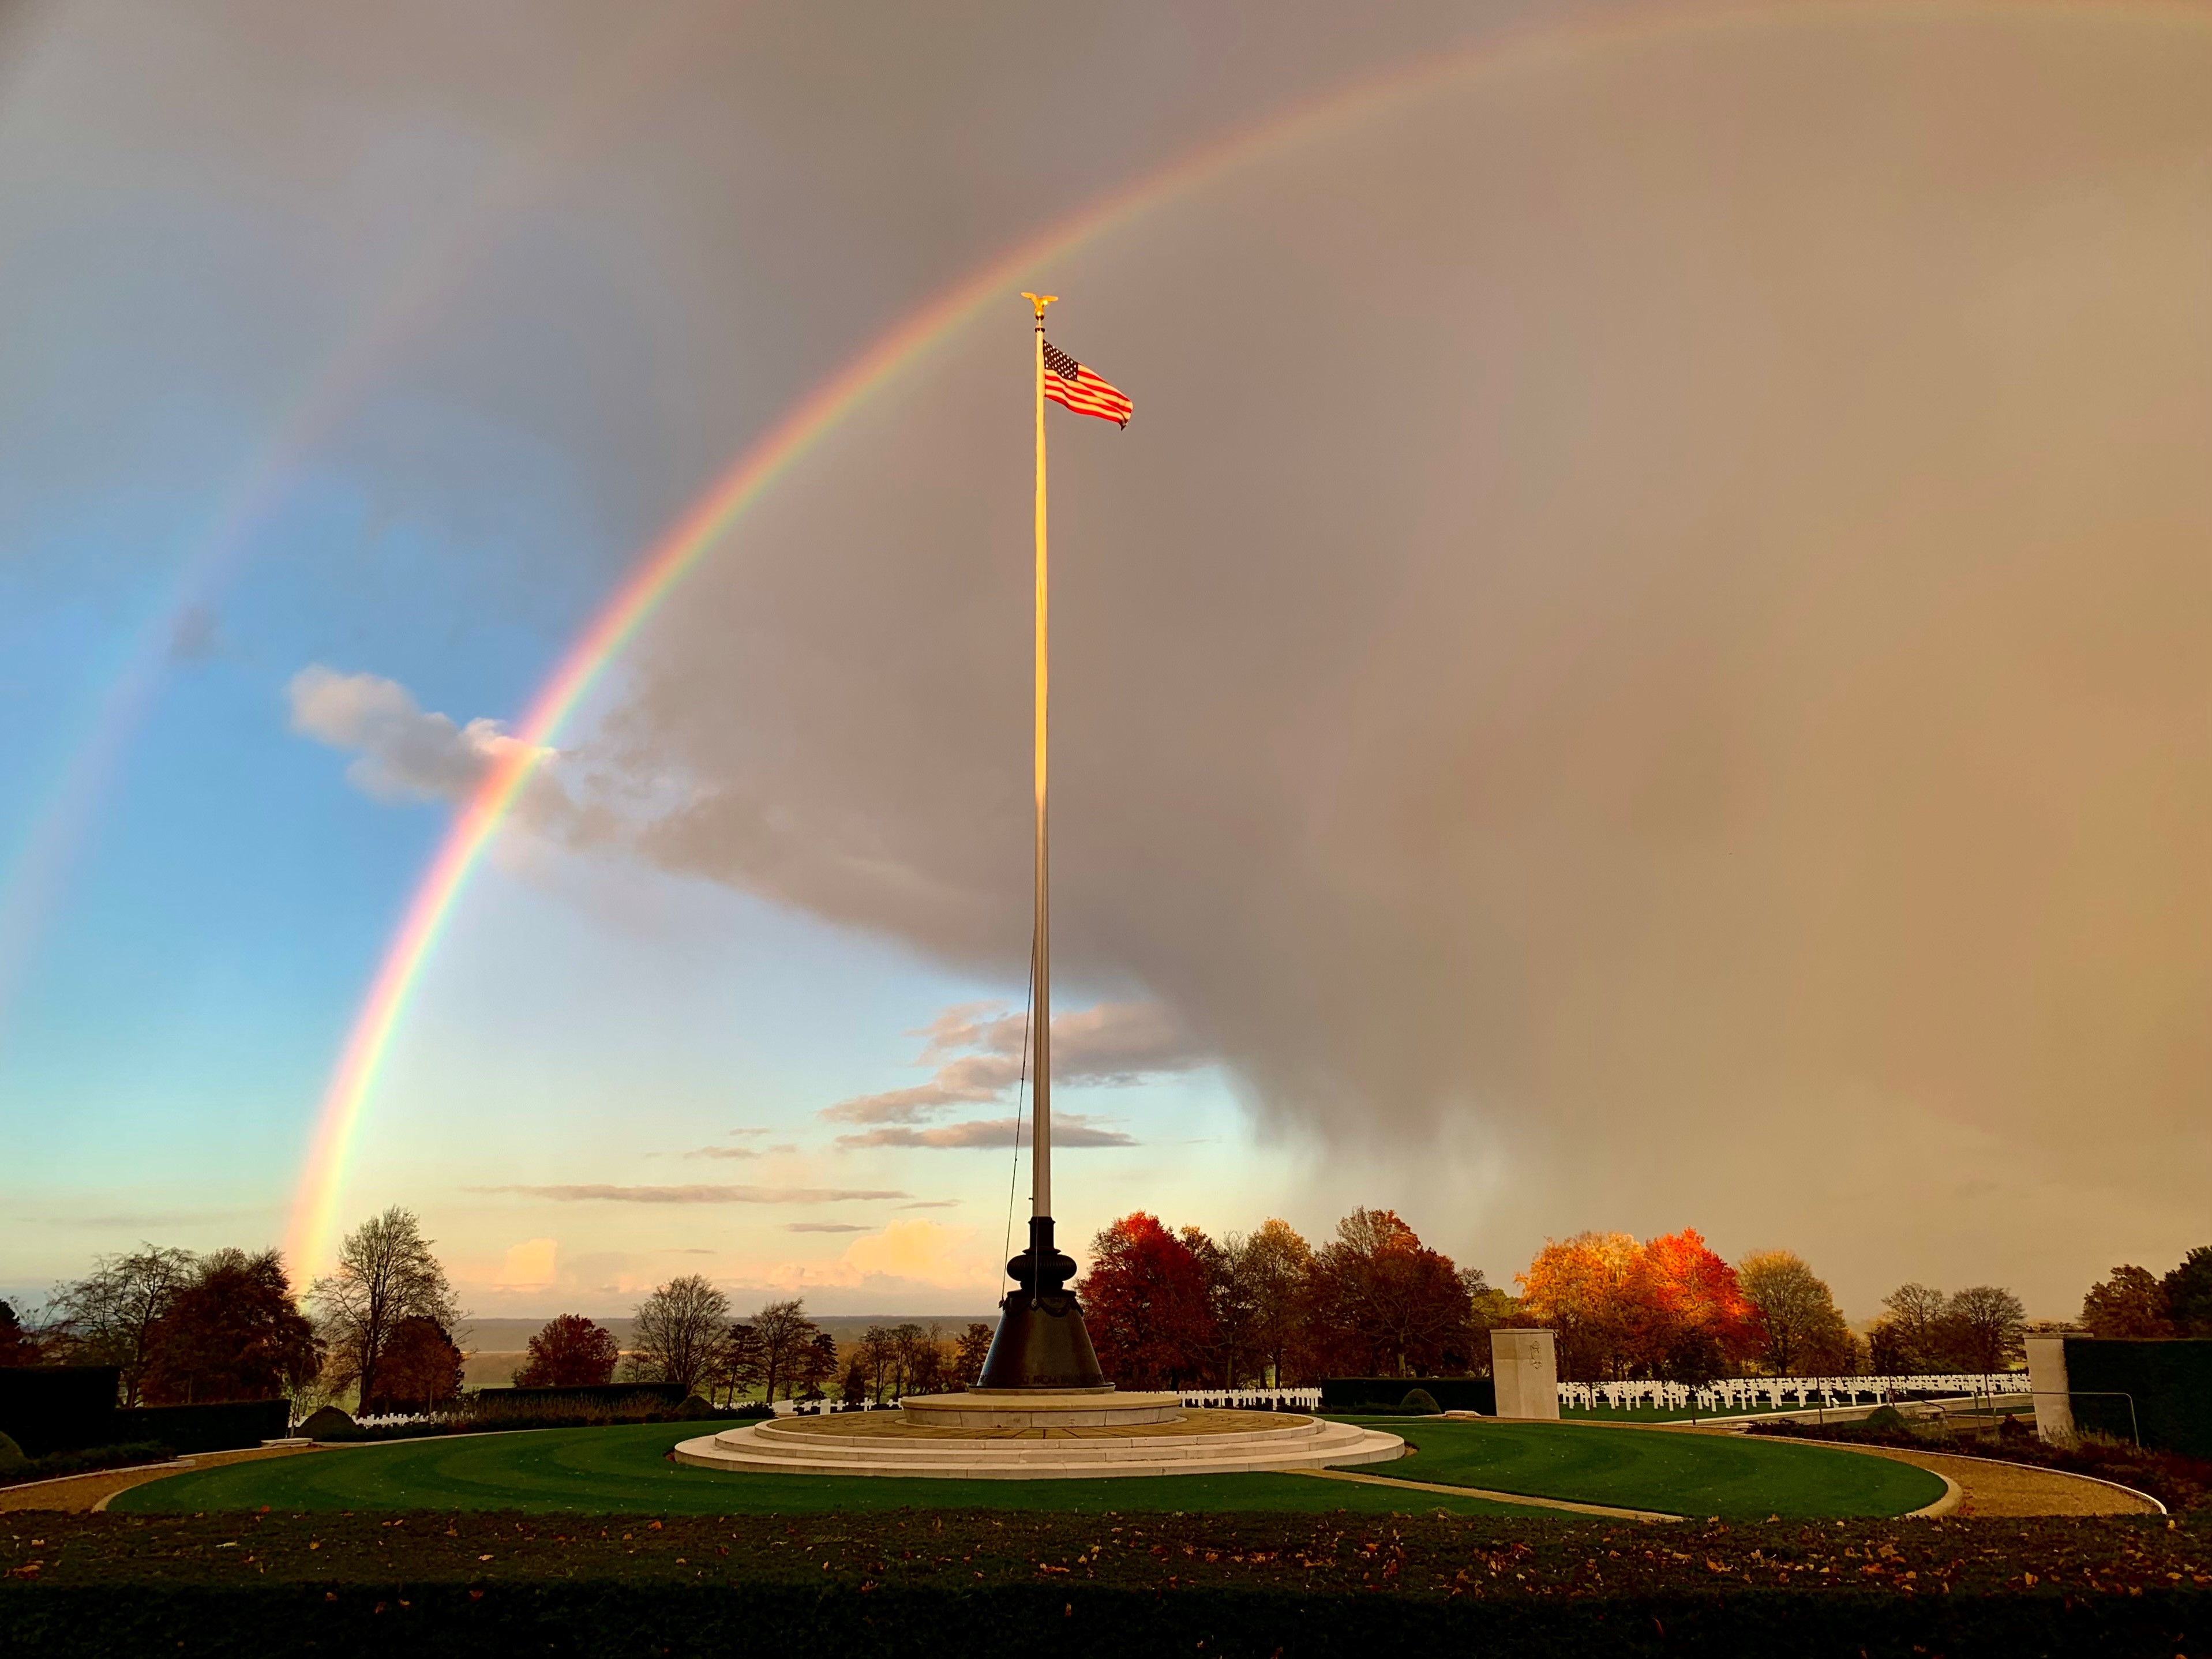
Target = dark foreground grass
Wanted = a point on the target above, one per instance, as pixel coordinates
(980, 1582)
(1695, 1474)
(627, 1469)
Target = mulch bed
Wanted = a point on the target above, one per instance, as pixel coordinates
(984, 1584)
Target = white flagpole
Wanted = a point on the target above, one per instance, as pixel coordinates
(1040, 1025)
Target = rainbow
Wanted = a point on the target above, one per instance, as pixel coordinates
(313, 1225)
(416, 293)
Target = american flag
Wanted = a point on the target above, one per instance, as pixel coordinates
(1071, 385)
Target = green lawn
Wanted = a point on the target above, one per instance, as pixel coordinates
(1697, 1474)
(623, 1470)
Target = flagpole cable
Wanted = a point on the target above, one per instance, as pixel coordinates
(1014, 1169)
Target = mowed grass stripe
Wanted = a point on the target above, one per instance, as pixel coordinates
(625, 1471)
(1635, 1468)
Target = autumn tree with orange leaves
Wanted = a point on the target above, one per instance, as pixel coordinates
(1668, 1308)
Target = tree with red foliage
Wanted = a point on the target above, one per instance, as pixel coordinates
(1382, 1304)
(1705, 1326)
(1145, 1303)
(570, 1352)
(420, 1369)
(232, 1331)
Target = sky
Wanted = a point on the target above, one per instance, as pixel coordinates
(1641, 663)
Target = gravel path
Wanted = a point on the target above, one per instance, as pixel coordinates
(1995, 1488)
(76, 1493)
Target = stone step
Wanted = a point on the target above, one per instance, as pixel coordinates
(1051, 1460)
(768, 1441)
(1147, 1447)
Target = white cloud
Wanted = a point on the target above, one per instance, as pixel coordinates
(529, 1265)
(402, 752)
(702, 1195)
(1068, 1129)
(980, 1054)
(919, 1252)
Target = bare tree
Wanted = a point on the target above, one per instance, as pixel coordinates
(385, 1274)
(784, 1331)
(680, 1332)
(1908, 1340)
(109, 1316)
(1983, 1323)
(877, 1355)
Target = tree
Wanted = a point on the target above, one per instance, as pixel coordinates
(385, 1274)
(1145, 1303)
(109, 1315)
(784, 1331)
(969, 1349)
(1669, 1308)
(233, 1332)
(2189, 1293)
(1488, 1308)
(678, 1334)
(1982, 1325)
(817, 1364)
(1585, 1288)
(19, 1346)
(419, 1371)
(2132, 1303)
(1702, 1325)
(1910, 1340)
(925, 1360)
(854, 1390)
(1801, 1332)
(567, 1352)
(741, 1358)
(1382, 1302)
(1274, 1265)
(876, 1354)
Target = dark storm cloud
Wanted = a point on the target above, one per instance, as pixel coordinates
(1648, 629)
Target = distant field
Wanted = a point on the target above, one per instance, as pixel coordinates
(627, 1470)
(496, 1347)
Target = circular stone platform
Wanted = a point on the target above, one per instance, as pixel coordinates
(1039, 1435)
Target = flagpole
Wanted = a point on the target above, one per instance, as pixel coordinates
(1041, 1028)
(1040, 1342)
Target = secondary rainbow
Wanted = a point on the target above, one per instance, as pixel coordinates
(312, 1226)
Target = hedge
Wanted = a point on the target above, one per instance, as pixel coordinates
(582, 1394)
(1383, 1395)
(54, 1408)
(48, 1409)
(2170, 1381)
